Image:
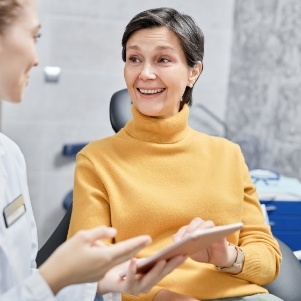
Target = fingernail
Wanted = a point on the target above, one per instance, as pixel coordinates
(112, 230)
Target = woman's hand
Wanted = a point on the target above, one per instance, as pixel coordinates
(134, 283)
(84, 258)
(219, 253)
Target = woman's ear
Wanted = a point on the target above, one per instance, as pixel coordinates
(195, 72)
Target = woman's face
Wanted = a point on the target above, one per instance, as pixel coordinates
(156, 71)
(18, 52)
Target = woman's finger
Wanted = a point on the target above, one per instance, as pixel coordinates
(195, 224)
(127, 249)
(97, 233)
(160, 270)
(131, 272)
(180, 234)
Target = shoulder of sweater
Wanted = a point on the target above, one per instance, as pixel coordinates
(216, 140)
(95, 145)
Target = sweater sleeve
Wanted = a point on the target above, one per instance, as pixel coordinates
(90, 199)
(261, 249)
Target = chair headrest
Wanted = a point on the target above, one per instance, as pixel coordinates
(120, 109)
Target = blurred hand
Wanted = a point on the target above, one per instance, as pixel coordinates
(219, 253)
(134, 283)
(84, 258)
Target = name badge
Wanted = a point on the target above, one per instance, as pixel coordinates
(14, 210)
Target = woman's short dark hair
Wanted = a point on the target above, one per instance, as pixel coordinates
(190, 35)
(9, 10)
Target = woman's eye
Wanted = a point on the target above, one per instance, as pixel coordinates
(134, 59)
(164, 60)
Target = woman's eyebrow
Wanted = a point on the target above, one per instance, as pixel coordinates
(166, 48)
(135, 47)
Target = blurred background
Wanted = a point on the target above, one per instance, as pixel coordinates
(251, 84)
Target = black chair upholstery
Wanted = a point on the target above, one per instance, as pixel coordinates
(120, 109)
(56, 239)
(287, 285)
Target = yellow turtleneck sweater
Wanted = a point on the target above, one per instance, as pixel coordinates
(156, 175)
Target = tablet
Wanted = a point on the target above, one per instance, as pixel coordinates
(189, 245)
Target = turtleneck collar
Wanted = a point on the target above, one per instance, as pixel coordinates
(157, 130)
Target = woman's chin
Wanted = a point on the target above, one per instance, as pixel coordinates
(149, 111)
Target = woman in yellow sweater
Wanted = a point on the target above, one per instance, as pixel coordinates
(158, 176)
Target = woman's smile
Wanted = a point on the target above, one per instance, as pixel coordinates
(150, 93)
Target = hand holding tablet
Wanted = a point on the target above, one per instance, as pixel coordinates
(190, 244)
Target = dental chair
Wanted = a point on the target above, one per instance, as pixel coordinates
(286, 286)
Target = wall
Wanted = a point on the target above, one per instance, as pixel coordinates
(264, 107)
(84, 39)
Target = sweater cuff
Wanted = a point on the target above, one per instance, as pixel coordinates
(258, 267)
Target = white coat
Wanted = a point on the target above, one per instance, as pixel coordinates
(19, 280)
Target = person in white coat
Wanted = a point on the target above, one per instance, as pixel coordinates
(82, 259)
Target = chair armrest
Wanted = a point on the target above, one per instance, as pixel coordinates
(287, 285)
(72, 149)
(56, 239)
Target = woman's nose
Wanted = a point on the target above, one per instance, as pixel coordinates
(147, 72)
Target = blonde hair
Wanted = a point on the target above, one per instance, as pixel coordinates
(9, 10)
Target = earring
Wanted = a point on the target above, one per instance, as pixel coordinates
(190, 85)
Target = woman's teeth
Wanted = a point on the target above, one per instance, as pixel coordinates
(143, 91)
